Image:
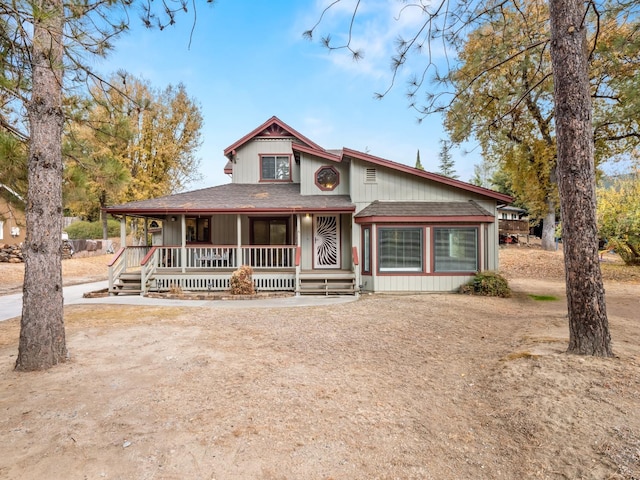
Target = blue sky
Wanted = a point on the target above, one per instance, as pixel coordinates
(248, 61)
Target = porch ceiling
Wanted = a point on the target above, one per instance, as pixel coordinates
(238, 198)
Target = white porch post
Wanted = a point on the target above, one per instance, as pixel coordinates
(298, 245)
(123, 231)
(239, 238)
(183, 242)
(146, 231)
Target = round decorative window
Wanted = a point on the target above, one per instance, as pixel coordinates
(327, 178)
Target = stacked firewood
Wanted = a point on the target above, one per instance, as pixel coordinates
(13, 253)
(10, 253)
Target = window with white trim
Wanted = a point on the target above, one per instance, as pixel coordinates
(275, 168)
(456, 249)
(400, 249)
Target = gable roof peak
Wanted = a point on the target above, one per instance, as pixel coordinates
(272, 128)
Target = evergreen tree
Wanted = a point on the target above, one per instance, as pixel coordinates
(418, 162)
(447, 164)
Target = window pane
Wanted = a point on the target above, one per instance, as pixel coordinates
(282, 168)
(367, 250)
(456, 249)
(260, 232)
(203, 229)
(400, 249)
(268, 168)
(278, 232)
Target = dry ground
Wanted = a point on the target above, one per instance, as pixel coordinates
(389, 387)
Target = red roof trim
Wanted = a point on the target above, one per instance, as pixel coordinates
(272, 121)
(194, 211)
(318, 153)
(347, 152)
(427, 219)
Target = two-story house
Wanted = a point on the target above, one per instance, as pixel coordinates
(311, 220)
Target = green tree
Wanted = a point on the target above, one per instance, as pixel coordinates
(447, 164)
(43, 39)
(13, 163)
(499, 107)
(509, 108)
(482, 174)
(130, 144)
(418, 162)
(619, 216)
(165, 135)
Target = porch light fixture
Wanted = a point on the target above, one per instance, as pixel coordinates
(173, 219)
(307, 215)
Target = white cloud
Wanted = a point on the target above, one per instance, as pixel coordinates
(378, 25)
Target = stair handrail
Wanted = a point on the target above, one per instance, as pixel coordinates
(116, 266)
(356, 268)
(148, 268)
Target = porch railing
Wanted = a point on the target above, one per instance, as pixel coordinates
(223, 257)
(269, 256)
(163, 266)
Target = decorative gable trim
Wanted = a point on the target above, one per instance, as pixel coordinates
(272, 128)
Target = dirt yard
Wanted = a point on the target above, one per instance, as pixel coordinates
(427, 386)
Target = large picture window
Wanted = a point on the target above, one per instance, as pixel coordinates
(400, 249)
(275, 168)
(456, 249)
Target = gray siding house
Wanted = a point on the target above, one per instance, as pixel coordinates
(314, 221)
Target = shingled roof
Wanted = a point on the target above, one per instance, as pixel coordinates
(424, 211)
(238, 198)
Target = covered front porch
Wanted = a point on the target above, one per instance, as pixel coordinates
(188, 267)
(201, 237)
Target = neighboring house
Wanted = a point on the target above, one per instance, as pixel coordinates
(312, 220)
(12, 218)
(513, 222)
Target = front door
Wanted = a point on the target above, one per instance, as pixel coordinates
(326, 240)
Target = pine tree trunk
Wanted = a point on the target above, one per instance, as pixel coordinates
(588, 324)
(549, 226)
(103, 216)
(42, 336)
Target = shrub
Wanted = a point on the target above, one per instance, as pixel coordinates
(242, 281)
(489, 284)
(92, 230)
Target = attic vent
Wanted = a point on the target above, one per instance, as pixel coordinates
(370, 175)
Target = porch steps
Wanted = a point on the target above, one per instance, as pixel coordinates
(328, 284)
(129, 283)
